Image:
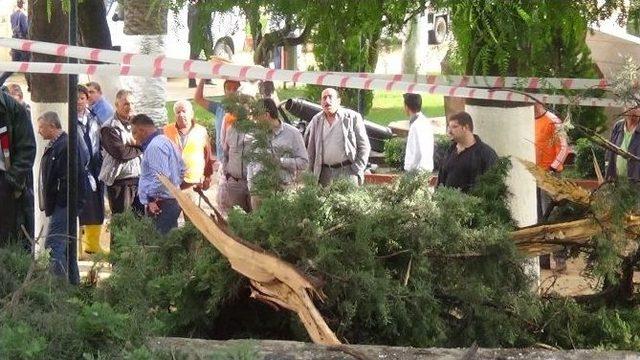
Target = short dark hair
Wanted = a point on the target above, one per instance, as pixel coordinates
(463, 118)
(267, 88)
(413, 102)
(83, 89)
(231, 83)
(142, 120)
(270, 107)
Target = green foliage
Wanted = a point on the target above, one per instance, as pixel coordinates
(584, 151)
(394, 151)
(441, 149)
(522, 38)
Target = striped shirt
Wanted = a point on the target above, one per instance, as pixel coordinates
(160, 157)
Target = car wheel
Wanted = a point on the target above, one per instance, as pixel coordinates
(223, 50)
(439, 32)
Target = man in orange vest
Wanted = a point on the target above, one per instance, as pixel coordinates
(193, 142)
(551, 148)
(551, 151)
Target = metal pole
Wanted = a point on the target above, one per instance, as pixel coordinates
(72, 148)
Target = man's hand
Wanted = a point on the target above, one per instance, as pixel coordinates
(206, 183)
(433, 181)
(153, 208)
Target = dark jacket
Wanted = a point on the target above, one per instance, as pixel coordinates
(461, 170)
(53, 175)
(17, 182)
(633, 166)
(22, 141)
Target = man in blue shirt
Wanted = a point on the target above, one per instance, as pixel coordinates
(230, 87)
(20, 30)
(98, 104)
(160, 158)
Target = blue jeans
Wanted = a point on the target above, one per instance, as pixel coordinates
(168, 217)
(57, 240)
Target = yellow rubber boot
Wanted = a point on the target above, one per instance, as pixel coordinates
(91, 238)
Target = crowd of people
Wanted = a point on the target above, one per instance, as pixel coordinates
(121, 154)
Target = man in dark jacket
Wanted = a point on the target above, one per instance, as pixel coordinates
(626, 135)
(468, 157)
(18, 152)
(52, 192)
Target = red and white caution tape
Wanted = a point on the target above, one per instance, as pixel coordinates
(159, 65)
(492, 81)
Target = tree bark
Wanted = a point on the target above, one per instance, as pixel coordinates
(145, 17)
(291, 350)
(48, 88)
(92, 24)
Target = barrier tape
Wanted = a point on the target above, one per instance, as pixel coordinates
(159, 65)
(492, 81)
(447, 80)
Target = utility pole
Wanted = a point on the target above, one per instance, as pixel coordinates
(72, 148)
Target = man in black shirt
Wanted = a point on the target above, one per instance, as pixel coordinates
(468, 156)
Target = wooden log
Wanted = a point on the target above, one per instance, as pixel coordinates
(290, 350)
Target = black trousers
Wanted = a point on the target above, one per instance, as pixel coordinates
(123, 195)
(8, 229)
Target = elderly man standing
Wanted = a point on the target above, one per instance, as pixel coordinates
(626, 135)
(193, 142)
(160, 158)
(52, 192)
(98, 104)
(337, 142)
(121, 158)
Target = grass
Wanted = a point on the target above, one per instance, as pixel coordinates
(387, 106)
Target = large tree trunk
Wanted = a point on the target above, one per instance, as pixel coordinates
(95, 33)
(48, 91)
(146, 26)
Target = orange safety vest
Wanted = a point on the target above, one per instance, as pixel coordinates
(193, 151)
(551, 142)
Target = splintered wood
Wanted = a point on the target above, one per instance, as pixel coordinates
(272, 280)
(546, 238)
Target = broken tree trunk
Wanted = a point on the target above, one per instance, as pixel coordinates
(272, 279)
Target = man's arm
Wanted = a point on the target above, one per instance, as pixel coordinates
(561, 137)
(200, 100)
(363, 148)
(112, 143)
(299, 160)
(412, 152)
(23, 149)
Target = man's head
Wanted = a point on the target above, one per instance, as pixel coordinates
(83, 98)
(142, 127)
(266, 88)
(20, 4)
(49, 125)
(184, 114)
(538, 109)
(94, 91)
(124, 104)
(459, 126)
(632, 113)
(270, 108)
(230, 86)
(16, 92)
(412, 103)
(330, 101)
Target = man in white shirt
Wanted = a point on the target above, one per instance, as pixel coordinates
(419, 151)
